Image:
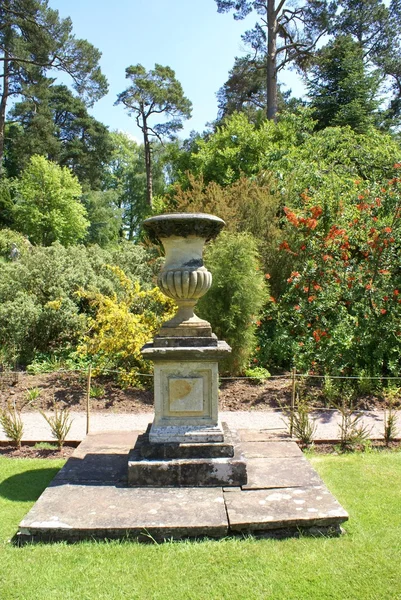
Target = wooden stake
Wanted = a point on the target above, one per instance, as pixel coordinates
(88, 395)
(293, 392)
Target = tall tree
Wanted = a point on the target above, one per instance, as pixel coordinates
(155, 92)
(125, 176)
(245, 91)
(34, 40)
(286, 32)
(341, 89)
(52, 122)
(376, 26)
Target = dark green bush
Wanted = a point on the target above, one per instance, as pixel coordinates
(235, 299)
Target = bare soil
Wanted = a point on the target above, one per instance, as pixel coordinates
(33, 452)
(68, 390)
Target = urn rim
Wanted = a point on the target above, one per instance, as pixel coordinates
(201, 225)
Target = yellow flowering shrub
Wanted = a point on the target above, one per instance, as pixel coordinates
(121, 325)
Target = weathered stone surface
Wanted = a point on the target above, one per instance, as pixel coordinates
(84, 511)
(184, 224)
(145, 449)
(181, 434)
(283, 508)
(263, 435)
(201, 472)
(270, 449)
(184, 342)
(90, 498)
(150, 352)
(100, 458)
(280, 472)
(185, 400)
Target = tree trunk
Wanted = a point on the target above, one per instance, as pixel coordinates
(3, 104)
(148, 164)
(271, 60)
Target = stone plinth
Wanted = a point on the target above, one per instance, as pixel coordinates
(186, 391)
(187, 464)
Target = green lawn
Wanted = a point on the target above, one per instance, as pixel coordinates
(363, 564)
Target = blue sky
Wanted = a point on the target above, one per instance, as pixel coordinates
(188, 35)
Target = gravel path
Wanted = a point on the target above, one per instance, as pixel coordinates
(37, 430)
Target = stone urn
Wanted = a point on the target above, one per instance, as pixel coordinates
(183, 276)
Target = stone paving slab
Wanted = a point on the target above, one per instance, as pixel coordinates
(90, 498)
(271, 449)
(280, 473)
(263, 435)
(283, 508)
(100, 458)
(72, 512)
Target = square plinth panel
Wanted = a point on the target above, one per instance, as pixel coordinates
(185, 394)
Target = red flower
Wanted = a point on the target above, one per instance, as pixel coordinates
(267, 276)
(383, 311)
(291, 216)
(388, 229)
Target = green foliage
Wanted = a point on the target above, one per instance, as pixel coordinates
(97, 391)
(9, 240)
(258, 375)
(10, 420)
(341, 304)
(353, 433)
(60, 424)
(48, 207)
(335, 96)
(40, 311)
(104, 217)
(392, 396)
(32, 394)
(301, 425)
(154, 92)
(121, 325)
(235, 299)
(52, 122)
(6, 202)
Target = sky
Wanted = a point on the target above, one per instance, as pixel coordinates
(190, 36)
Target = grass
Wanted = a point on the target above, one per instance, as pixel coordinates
(363, 564)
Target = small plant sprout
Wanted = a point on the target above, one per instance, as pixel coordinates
(352, 432)
(390, 415)
(257, 375)
(60, 424)
(97, 391)
(303, 426)
(10, 420)
(32, 394)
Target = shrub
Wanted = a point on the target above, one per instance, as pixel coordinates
(10, 420)
(40, 311)
(235, 299)
(121, 325)
(8, 238)
(60, 424)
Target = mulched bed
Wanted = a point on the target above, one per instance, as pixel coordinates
(31, 452)
(321, 448)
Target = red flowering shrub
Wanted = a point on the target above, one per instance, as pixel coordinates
(341, 309)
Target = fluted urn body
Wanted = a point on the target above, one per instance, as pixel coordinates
(184, 277)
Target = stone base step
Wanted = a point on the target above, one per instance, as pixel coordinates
(90, 498)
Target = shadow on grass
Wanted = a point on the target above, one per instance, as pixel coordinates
(27, 486)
